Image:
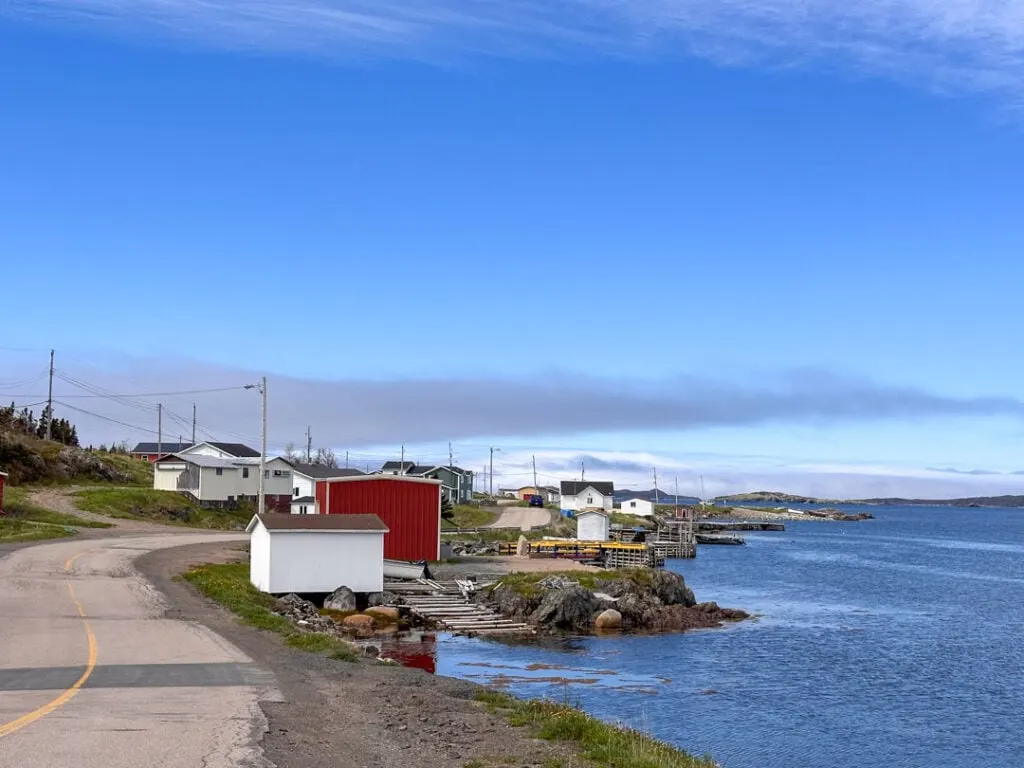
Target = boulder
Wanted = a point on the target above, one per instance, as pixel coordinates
(386, 613)
(569, 609)
(522, 547)
(358, 621)
(671, 589)
(608, 619)
(341, 599)
(381, 598)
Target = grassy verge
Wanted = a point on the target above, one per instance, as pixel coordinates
(631, 521)
(470, 516)
(605, 745)
(18, 507)
(160, 507)
(228, 584)
(20, 530)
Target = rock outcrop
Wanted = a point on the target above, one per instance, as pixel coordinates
(638, 600)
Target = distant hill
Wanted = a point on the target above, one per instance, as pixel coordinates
(29, 459)
(663, 496)
(777, 497)
(770, 497)
(970, 501)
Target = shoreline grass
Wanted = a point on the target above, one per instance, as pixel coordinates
(604, 744)
(228, 584)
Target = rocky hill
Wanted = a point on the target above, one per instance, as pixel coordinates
(28, 459)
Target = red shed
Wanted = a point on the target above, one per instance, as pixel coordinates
(3, 482)
(409, 506)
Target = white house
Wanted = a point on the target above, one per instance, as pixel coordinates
(215, 480)
(316, 553)
(304, 477)
(592, 526)
(639, 507)
(221, 450)
(592, 494)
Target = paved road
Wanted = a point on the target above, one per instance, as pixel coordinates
(93, 675)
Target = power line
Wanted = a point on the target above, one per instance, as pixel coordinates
(107, 418)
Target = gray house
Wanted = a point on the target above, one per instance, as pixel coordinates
(456, 482)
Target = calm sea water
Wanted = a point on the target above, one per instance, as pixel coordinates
(897, 642)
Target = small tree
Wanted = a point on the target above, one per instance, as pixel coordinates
(325, 457)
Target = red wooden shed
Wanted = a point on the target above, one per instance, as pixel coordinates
(3, 482)
(409, 506)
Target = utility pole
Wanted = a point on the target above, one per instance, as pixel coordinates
(309, 446)
(583, 473)
(263, 444)
(49, 403)
(346, 459)
(193, 423)
(159, 429)
(535, 486)
(493, 449)
(401, 468)
(677, 491)
(656, 486)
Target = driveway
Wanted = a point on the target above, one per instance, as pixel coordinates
(523, 518)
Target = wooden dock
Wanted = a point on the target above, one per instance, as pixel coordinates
(443, 605)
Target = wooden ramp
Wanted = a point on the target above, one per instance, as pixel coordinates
(456, 614)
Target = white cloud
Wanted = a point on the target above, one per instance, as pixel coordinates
(960, 44)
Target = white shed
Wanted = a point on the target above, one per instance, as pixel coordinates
(592, 526)
(640, 507)
(316, 553)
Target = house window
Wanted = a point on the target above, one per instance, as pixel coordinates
(295, 491)
(266, 473)
(282, 473)
(219, 471)
(590, 499)
(632, 505)
(144, 457)
(303, 510)
(245, 471)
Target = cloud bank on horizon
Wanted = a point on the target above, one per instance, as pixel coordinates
(975, 45)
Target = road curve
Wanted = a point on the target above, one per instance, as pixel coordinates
(93, 675)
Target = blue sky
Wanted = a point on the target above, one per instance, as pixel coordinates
(725, 198)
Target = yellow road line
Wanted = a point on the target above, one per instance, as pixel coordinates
(8, 728)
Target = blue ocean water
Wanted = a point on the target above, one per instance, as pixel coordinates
(896, 642)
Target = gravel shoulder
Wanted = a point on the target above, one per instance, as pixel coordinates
(353, 714)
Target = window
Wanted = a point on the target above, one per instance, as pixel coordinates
(220, 471)
(266, 473)
(590, 499)
(282, 473)
(245, 471)
(144, 457)
(303, 510)
(295, 491)
(632, 505)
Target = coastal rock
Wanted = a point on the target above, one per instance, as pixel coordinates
(341, 599)
(569, 609)
(671, 589)
(381, 598)
(358, 621)
(386, 613)
(608, 619)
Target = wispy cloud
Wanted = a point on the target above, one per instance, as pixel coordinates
(355, 413)
(961, 44)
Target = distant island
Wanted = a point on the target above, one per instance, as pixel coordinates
(776, 497)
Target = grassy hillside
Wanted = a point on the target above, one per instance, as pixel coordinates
(160, 507)
(17, 507)
(30, 459)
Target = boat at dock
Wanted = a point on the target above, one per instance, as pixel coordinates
(719, 538)
(404, 569)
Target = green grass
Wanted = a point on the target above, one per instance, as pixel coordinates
(470, 516)
(631, 521)
(160, 507)
(18, 507)
(525, 583)
(140, 472)
(20, 530)
(605, 745)
(228, 584)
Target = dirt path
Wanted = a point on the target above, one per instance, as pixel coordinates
(62, 499)
(523, 518)
(362, 714)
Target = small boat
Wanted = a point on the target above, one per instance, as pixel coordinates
(404, 569)
(718, 538)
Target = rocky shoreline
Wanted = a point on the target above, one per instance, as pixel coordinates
(634, 600)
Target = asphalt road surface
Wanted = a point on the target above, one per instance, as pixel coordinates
(94, 675)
